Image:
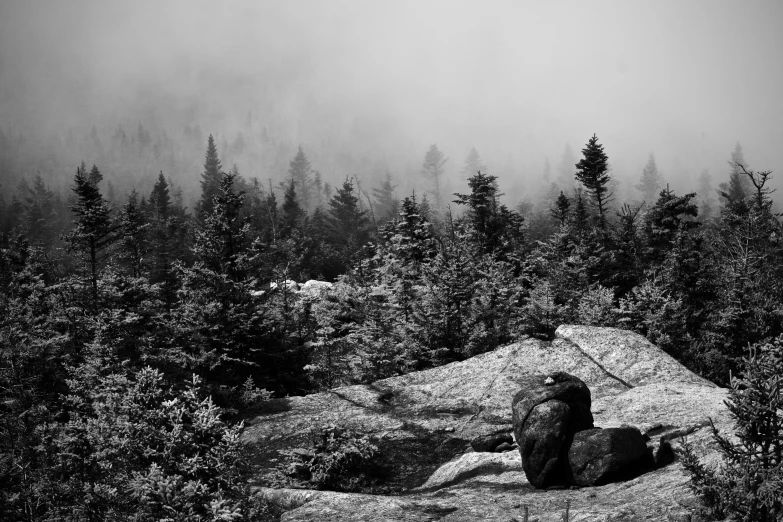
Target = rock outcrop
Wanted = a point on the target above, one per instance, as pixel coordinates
(428, 425)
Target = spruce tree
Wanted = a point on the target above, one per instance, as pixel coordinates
(704, 196)
(210, 179)
(432, 170)
(300, 169)
(473, 164)
(132, 235)
(348, 223)
(592, 172)
(291, 212)
(651, 182)
(93, 231)
(562, 209)
(385, 197)
(160, 199)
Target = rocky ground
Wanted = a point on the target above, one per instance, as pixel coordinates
(425, 422)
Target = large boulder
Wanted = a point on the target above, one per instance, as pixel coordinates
(546, 413)
(599, 456)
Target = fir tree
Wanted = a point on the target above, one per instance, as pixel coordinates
(473, 164)
(704, 196)
(291, 213)
(132, 235)
(385, 197)
(222, 242)
(651, 182)
(562, 208)
(93, 232)
(348, 223)
(746, 487)
(432, 170)
(592, 172)
(210, 179)
(299, 169)
(160, 199)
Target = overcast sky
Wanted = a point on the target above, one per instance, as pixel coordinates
(683, 79)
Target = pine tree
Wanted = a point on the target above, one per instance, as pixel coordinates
(93, 232)
(385, 197)
(473, 164)
(291, 213)
(347, 222)
(299, 169)
(592, 172)
(739, 187)
(651, 182)
(666, 218)
(704, 196)
(562, 209)
(210, 179)
(160, 199)
(432, 170)
(746, 487)
(132, 235)
(493, 225)
(222, 242)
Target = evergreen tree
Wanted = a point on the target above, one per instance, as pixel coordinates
(493, 225)
(93, 232)
(651, 182)
(562, 209)
(348, 222)
(132, 235)
(704, 196)
(222, 242)
(292, 215)
(210, 179)
(386, 198)
(160, 199)
(40, 216)
(473, 164)
(432, 170)
(592, 172)
(666, 218)
(746, 487)
(299, 169)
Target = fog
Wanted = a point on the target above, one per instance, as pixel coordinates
(366, 86)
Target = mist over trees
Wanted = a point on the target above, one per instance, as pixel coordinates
(191, 226)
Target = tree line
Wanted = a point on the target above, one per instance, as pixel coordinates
(108, 313)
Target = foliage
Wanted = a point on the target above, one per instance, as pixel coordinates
(337, 458)
(747, 485)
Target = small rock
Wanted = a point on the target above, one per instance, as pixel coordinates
(549, 381)
(504, 447)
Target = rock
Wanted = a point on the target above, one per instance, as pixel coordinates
(546, 413)
(313, 286)
(567, 388)
(290, 284)
(505, 446)
(598, 456)
(476, 393)
(257, 293)
(663, 455)
(543, 443)
(471, 465)
(491, 442)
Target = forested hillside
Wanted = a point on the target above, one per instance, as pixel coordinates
(134, 329)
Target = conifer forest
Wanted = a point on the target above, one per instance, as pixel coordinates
(168, 265)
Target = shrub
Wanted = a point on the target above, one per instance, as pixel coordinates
(337, 459)
(748, 485)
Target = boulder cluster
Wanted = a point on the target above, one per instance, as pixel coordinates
(558, 442)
